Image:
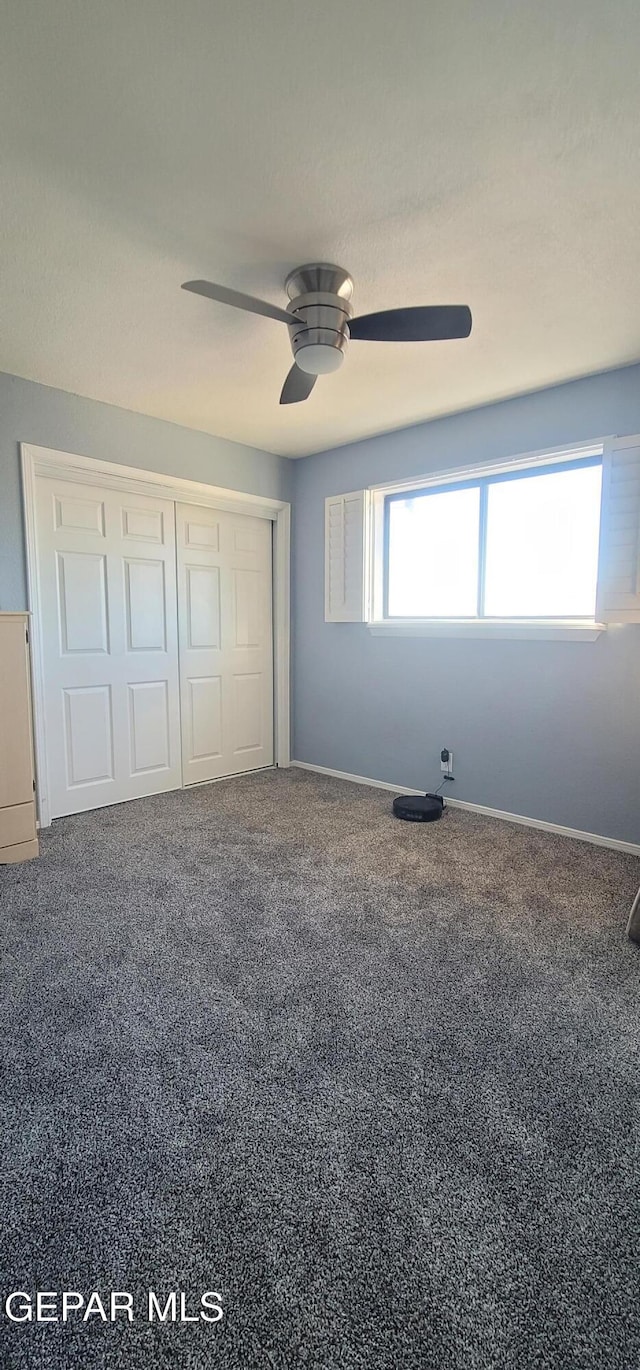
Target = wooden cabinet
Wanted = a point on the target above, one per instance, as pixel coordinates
(18, 840)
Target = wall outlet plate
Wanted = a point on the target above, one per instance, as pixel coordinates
(447, 766)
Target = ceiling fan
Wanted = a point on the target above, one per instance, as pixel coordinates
(320, 320)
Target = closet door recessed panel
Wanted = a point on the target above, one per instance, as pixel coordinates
(145, 606)
(82, 602)
(205, 706)
(202, 607)
(149, 726)
(88, 726)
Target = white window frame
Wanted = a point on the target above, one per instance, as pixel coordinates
(586, 630)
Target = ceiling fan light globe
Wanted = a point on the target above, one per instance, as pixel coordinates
(318, 359)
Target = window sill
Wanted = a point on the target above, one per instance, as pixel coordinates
(523, 630)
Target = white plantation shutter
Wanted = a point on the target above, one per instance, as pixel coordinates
(345, 557)
(618, 595)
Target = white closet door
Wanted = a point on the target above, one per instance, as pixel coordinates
(226, 643)
(106, 564)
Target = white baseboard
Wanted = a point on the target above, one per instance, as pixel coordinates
(631, 848)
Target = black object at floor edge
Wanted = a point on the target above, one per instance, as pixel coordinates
(418, 808)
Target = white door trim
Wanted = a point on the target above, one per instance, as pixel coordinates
(45, 461)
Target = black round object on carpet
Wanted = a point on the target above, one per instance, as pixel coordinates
(418, 808)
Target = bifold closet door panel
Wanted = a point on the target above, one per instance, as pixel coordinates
(226, 642)
(107, 577)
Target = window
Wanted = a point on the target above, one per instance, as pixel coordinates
(522, 544)
(545, 546)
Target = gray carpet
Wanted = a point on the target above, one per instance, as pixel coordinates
(376, 1083)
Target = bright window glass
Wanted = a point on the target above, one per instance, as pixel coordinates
(433, 555)
(542, 545)
(521, 546)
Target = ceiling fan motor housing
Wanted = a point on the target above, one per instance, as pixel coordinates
(321, 308)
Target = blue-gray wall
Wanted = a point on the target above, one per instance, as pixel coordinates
(550, 730)
(52, 418)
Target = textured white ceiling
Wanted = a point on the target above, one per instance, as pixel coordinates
(443, 151)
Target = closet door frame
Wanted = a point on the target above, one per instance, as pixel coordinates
(45, 461)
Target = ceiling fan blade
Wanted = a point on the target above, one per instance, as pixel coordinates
(421, 324)
(223, 295)
(298, 386)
